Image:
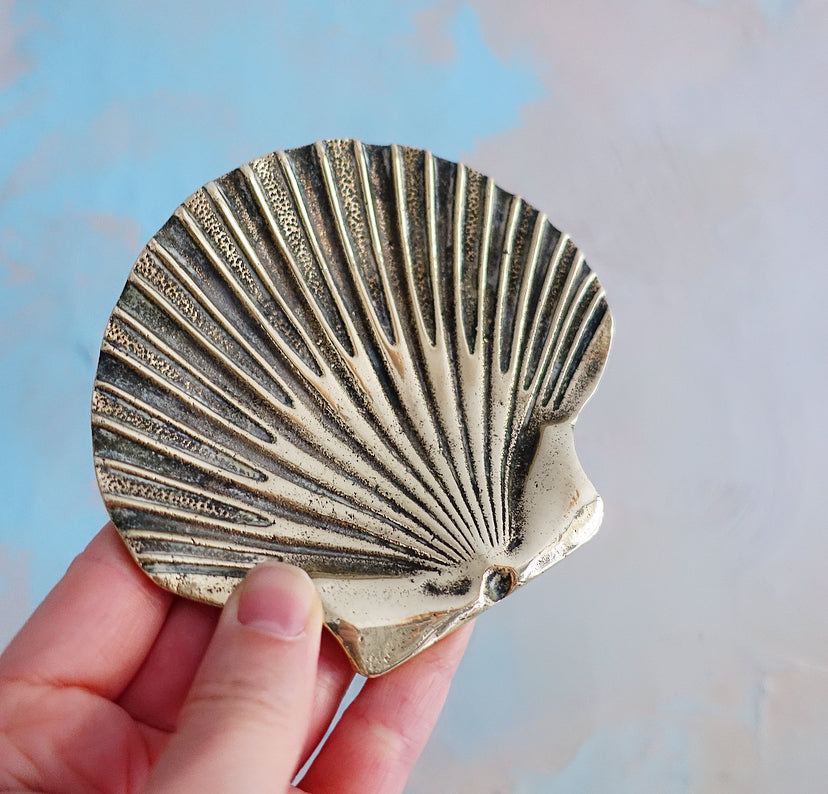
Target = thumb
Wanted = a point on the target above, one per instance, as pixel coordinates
(246, 717)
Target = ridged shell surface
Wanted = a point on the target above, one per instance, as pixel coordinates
(362, 360)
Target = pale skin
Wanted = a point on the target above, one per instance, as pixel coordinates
(116, 685)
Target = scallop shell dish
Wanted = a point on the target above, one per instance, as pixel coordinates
(362, 360)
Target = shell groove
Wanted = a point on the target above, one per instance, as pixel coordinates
(348, 357)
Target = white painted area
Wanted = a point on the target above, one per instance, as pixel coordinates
(685, 649)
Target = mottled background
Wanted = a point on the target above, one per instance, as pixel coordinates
(682, 144)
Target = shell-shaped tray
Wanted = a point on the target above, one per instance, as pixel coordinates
(362, 360)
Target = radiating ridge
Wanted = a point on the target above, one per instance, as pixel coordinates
(341, 356)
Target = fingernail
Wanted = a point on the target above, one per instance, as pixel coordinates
(276, 599)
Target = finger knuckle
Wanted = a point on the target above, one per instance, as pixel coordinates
(248, 700)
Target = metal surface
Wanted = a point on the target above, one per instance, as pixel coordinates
(362, 360)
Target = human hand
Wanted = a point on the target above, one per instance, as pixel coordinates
(117, 685)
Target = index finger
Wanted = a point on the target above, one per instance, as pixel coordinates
(381, 734)
(95, 627)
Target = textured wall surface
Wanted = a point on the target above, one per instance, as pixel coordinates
(682, 145)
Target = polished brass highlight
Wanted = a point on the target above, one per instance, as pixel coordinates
(363, 360)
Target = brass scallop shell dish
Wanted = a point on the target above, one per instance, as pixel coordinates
(362, 360)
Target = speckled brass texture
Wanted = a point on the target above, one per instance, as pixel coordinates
(362, 360)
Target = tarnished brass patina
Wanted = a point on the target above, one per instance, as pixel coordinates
(362, 360)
